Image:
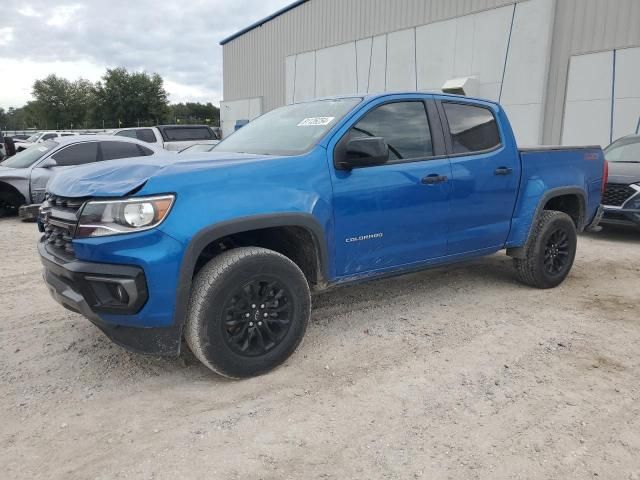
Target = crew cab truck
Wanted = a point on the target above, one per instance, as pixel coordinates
(172, 137)
(225, 250)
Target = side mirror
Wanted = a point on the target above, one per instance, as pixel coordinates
(48, 163)
(361, 152)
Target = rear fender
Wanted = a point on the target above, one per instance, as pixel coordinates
(531, 211)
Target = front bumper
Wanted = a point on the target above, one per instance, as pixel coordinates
(101, 292)
(29, 212)
(623, 217)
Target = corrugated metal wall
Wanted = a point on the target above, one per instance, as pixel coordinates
(254, 64)
(584, 26)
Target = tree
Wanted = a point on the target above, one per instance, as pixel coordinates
(129, 99)
(120, 99)
(191, 112)
(61, 103)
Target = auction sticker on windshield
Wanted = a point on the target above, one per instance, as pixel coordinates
(316, 121)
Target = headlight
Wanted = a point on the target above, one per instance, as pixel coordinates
(115, 217)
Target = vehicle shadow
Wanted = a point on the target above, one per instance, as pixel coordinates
(616, 234)
(8, 218)
(329, 306)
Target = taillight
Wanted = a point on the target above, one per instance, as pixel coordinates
(605, 176)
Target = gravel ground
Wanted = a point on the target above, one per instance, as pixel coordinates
(456, 373)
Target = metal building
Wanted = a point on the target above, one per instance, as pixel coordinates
(566, 71)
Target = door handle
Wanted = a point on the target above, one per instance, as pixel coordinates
(503, 171)
(433, 179)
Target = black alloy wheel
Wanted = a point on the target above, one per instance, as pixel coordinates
(556, 252)
(257, 317)
(248, 311)
(547, 258)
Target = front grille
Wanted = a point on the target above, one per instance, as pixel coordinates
(615, 195)
(59, 218)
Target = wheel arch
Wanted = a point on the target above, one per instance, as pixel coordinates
(9, 192)
(569, 200)
(264, 230)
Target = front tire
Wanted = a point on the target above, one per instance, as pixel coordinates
(248, 312)
(550, 251)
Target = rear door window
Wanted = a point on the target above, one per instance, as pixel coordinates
(77, 154)
(115, 150)
(473, 129)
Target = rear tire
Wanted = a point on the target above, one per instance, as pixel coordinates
(549, 252)
(248, 312)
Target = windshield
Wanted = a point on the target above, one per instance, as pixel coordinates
(198, 148)
(624, 150)
(31, 155)
(289, 130)
(33, 138)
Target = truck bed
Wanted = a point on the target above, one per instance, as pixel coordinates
(549, 170)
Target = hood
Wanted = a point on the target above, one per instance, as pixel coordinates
(14, 172)
(117, 178)
(621, 172)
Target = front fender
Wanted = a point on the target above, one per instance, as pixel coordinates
(214, 203)
(20, 183)
(212, 233)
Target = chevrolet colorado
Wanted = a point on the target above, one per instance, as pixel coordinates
(224, 249)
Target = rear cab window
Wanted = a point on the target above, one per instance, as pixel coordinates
(146, 135)
(473, 128)
(183, 134)
(127, 133)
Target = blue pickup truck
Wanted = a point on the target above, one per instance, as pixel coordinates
(224, 248)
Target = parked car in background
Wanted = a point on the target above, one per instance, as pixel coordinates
(199, 147)
(621, 198)
(21, 136)
(225, 249)
(3, 151)
(41, 137)
(171, 137)
(24, 177)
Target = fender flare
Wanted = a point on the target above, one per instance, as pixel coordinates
(214, 232)
(519, 252)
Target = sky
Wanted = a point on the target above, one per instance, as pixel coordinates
(74, 39)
